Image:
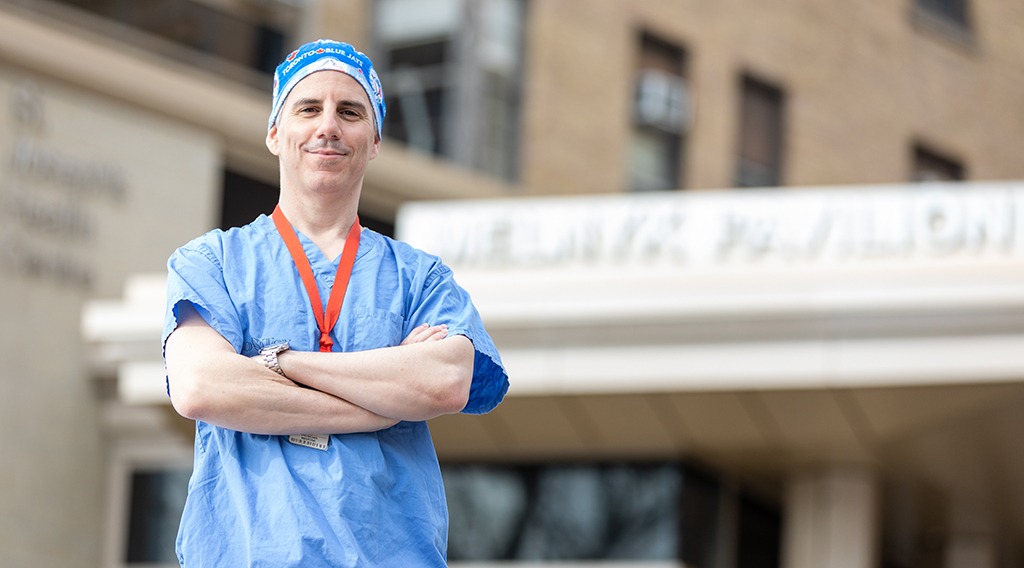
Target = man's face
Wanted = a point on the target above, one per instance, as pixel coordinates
(325, 135)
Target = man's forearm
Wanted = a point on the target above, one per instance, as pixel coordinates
(269, 405)
(416, 381)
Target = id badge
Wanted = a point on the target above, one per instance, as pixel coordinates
(315, 441)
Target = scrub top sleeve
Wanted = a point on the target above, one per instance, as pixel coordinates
(196, 275)
(443, 301)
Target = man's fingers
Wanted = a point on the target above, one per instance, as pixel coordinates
(425, 332)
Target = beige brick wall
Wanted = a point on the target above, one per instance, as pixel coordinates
(864, 81)
(575, 124)
(345, 20)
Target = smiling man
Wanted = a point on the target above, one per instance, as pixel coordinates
(311, 351)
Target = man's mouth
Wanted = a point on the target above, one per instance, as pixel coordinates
(326, 151)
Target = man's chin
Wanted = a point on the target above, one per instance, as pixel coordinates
(327, 182)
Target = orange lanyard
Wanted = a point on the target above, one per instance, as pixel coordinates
(348, 258)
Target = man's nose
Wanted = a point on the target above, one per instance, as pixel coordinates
(329, 125)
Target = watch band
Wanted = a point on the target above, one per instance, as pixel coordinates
(269, 355)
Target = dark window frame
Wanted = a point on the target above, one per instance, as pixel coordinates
(953, 12)
(762, 133)
(948, 20)
(474, 114)
(929, 164)
(659, 55)
(156, 499)
(699, 511)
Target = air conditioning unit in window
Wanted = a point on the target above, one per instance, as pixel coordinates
(662, 101)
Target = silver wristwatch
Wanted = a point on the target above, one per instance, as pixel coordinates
(269, 354)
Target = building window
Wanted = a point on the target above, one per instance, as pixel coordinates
(452, 75)
(625, 511)
(246, 40)
(244, 198)
(761, 136)
(700, 504)
(933, 166)
(661, 113)
(563, 512)
(157, 498)
(759, 534)
(148, 484)
(953, 12)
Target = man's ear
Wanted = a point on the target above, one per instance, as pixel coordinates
(272, 140)
(375, 149)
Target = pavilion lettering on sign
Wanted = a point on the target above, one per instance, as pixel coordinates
(714, 229)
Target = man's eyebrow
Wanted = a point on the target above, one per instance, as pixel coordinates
(305, 101)
(356, 104)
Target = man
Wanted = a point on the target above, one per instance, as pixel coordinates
(311, 351)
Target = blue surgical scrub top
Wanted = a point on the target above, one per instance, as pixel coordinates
(373, 499)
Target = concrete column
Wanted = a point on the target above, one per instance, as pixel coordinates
(831, 519)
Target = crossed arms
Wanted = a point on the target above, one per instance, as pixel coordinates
(428, 375)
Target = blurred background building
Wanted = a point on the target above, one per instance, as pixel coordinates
(755, 267)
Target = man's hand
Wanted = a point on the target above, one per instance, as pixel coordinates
(424, 333)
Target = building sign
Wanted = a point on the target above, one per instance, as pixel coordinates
(725, 228)
(46, 198)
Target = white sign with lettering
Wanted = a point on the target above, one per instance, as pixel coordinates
(819, 226)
